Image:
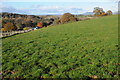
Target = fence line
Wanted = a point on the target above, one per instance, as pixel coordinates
(5, 34)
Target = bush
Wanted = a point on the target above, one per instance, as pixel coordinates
(19, 26)
(67, 17)
(8, 26)
(2, 29)
(26, 28)
(57, 22)
(40, 24)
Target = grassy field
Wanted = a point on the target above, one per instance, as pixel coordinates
(81, 49)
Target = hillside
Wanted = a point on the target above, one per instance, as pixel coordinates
(21, 21)
(83, 49)
(14, 15)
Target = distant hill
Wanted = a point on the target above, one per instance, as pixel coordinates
(116, 12)
(88, 13)
(14, 15)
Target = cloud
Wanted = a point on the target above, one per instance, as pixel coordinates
(58, 9)
(38, 9)
(12, 9)
(55, 8)
(4, 0)
(114, 0)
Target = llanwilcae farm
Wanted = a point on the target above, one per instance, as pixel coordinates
(83, 49)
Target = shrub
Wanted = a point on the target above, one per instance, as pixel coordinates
(28, 23)
(2, 29)
(40, 24)
(57, 22)
(26, 28)
(19, 26)
(8, 26)
(67, 17)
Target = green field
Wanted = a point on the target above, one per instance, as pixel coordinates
(74, 50)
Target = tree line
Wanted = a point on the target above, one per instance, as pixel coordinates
(11, 21)
(100, 12)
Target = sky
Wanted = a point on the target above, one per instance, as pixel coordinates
(54, 7)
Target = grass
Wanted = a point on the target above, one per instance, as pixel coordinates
(74, 50)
